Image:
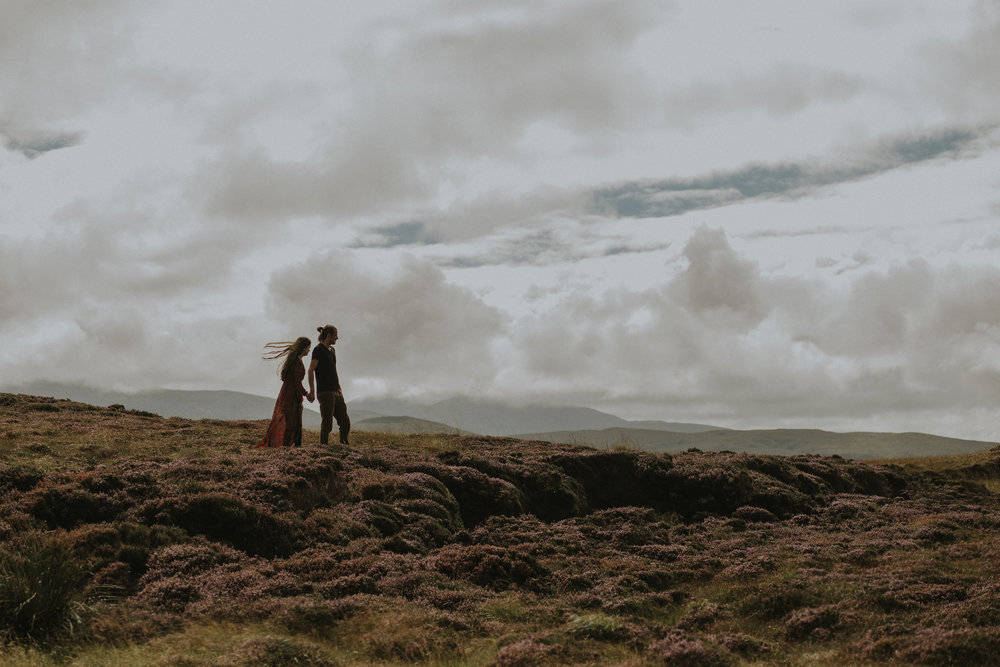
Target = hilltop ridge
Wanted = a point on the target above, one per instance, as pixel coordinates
(566, 424)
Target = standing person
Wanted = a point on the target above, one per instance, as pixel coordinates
(285, 428)
(323, 368)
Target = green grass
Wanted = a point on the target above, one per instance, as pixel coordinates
(41, 588)
(979, 467)
(594, 626)
(938, 463)
(508, 609)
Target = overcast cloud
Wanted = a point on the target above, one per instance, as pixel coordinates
(767, 216)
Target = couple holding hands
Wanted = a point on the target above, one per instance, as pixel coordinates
(285, 428)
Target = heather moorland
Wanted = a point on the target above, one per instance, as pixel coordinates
(131, 539)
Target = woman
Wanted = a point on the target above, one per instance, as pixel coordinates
(285, 428)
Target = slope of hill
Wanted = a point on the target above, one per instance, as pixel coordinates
(458, 414)
(775, 441)
(500, 419)
(191, 404)
(402, 425)
(173, 541)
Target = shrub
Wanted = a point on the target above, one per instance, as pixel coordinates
(652, 605)
(744, 645)
(180, 661)
(547, 491)
(18, 478)
(526, 653)
(775, 599)
(301, 480)
(937, 534)
(677, 649)
(65, 505)
(335, 527)
(228, 518)
(494, 567)
(410, 639)
(277, 652)
(308, 615)
(190, 559)
(41, 588)
(702, 614)
(749, 568)
(754, 514)
(935, 646)
(818, 622)
(172, 593)
(479, 496)
(123, 541)
(347, 585)
(618, 478)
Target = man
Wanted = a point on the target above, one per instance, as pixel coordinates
(324, 382)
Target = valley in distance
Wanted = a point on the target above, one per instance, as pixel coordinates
(556, 424)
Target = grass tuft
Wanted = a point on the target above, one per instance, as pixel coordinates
(41, 588)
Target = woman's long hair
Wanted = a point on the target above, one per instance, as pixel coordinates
(290, 351)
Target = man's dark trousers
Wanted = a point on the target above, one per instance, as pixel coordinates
(332, 406)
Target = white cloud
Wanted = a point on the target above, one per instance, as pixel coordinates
(403, 327)
(443, 98)
(746, 343)
(46, 79)
(962, 73)
(717, 285)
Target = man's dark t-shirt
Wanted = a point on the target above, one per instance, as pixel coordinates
(326, 369)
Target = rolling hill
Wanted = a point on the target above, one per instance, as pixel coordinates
(500, 419)
(217, 404)
(453, 415)
(403, 425)
(788, 442)
(555, 424)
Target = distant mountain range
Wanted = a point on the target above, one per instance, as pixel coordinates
(495, 418)
(576, 425)
(453, 415)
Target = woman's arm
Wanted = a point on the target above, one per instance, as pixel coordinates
(300, 374)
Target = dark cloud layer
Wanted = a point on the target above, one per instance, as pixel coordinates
(794, 179)
(402, 234)
(33, 146)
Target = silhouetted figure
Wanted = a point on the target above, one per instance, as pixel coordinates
(323, 368)
(285, 428)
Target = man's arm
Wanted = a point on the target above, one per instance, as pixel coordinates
(312, 382)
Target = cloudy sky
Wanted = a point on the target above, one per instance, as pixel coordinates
(771, 214)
